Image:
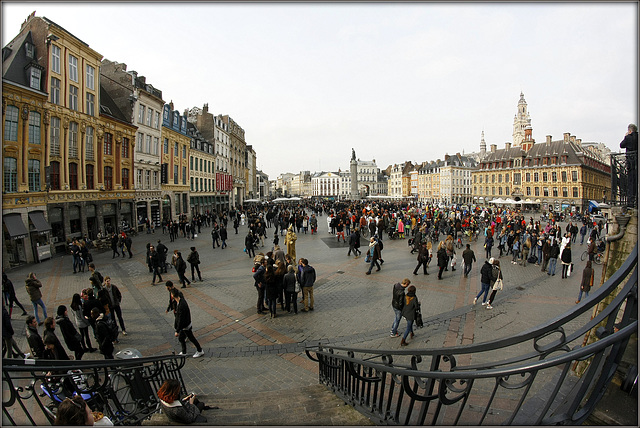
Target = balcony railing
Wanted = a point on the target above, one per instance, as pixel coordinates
(123, 390)
(524, 379)
(624, 179)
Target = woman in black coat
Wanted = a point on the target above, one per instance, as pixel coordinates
(443, 259)
(271, 289)
(71, 336)
(565, 258)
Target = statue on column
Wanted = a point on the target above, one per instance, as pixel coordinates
(353, 154)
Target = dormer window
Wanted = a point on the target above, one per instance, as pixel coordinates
(35, 75)
(29, 50)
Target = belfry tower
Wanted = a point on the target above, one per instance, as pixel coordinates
(520, 121)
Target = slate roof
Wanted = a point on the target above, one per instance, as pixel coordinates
(109, 108)
(15, 62)
(539, 150)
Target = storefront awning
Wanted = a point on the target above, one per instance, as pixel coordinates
(15, 226)
(38, 220)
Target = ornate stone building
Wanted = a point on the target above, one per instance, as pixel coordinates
(521, 121)
(174, 172)
(202, 171)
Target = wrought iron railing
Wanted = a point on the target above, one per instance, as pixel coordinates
(523, 379)
(624, 179)
(123, 390)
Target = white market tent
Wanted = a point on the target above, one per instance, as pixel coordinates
(252, 200)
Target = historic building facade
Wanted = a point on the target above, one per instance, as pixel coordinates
(174, 172)
(326, 184)
(455, 179)
(202, 162)
(521, 121)
(250, 173)
(142, 104)
(237, 156)
(26, 232)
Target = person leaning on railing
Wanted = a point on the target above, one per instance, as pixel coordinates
(630, 143)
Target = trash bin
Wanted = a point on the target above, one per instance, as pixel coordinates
(127, 354)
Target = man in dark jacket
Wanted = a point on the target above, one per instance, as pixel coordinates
(69, 333)
(183, 328)
(630, 143)
(354, 239)
(397, 303)
(155, 265)
(115, 298)
(194, 260)
(33, 337)
(469, 257)
(54, 349)
(553, 258)
(103, 334)
(423, 258)
(307, 279)
(181, 268)
(546, 251)
(485, 280)
(96, 279)
(162, 252)
(128, 242)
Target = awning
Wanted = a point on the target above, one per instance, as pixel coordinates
(38, 220)
(15, 226)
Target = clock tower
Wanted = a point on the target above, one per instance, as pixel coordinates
(520, 121)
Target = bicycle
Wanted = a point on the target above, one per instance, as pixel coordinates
(597, 257)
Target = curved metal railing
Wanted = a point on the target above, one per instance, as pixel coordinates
(524, 379)
(123, 390)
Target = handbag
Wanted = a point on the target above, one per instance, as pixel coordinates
(454, 261)
(418, 317)
(498, 284)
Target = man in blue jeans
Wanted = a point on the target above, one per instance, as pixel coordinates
(553, 258)
(397, 303)
(485, 280)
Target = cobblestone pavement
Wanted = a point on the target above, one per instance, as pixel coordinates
(247, 352)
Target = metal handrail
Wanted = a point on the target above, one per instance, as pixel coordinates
(124, 390)
(434, 386)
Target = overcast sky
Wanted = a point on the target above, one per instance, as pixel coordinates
(396, 82)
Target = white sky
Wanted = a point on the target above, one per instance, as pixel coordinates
(396, 82)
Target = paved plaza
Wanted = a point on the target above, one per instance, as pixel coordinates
(246, 352)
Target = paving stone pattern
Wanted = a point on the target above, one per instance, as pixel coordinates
(247, 353)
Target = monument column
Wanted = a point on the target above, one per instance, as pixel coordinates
(354, 177)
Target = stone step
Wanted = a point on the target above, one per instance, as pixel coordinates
(310, 405)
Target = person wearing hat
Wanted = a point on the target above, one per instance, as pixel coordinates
(485, 280)
(194, 260)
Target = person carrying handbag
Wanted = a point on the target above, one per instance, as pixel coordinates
(496, 282)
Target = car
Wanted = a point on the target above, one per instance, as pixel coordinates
(599, 218)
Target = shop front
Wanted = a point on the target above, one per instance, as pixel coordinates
(58, 237)
(92, 221)
(126, 213)
(155, 213)
(40, 236)
(166, 208)
(141, 215)
(109, 218)
(15, 234)
(74, 222)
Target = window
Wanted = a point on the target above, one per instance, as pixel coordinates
(34, 175)
(536, 191)
(108, 143)
(184, 152)
(125, 178)
(73, 97)
(166, 146)
(155, 179)
(575, 192)
(493, 191)
(149, 117)
(574, 175)
(55, 91)
(545, 176)
(89, 180)
(138, 179)
(565, 192)
(201, 165)
(175, 149)
(545, 161)
(108, 178)
(55, 59)
(545, 191)
(564, 175)
(34, 127)
(499, 178)
(141, 114)
(55, 136)
(156, 123)
(535, 177)
(73, 140)
(140, 142)
(35, 78)
(191, 162)
(91, 102)
(528, 191)
(506, 178)
(89, 143)
(11, 124)
(191, 188)
(125, 148)
(516, 179)
(91, 77)
(555, 192)
(554, 176)
(10, 175)
(73, 176)
(500, 191)
(184, 175)
(54, 174)
(147, 145)
(527, 177)
(175, 174)
(73, 68)
(147, 179)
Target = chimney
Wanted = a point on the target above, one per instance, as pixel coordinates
(143, 80)
(446, 158)
(507, 146)
(548, 139)
(566, 137)
(134, 76)
(579, 141)
(205, 108)
(573, 138)
(494, 147)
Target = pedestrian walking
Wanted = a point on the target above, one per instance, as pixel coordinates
(271, 289)
(307, 279)
(409, 313)
(374, 255)
(33, 286)
(397, 303)
(71, 337)
(587, 281)
(115, 299)
(162, 252)
(423, 258)
(103, 333)
(155, 265)
(36, 344)
(95, 279)
(128, 243)
(223, 237)
(496, 282)
(485, 281)
(215, 235)
(181, 268)
(468, 256)
(183, 326)
(443, 259)
(75, 253)
(194, 260)
(172, 302)
(10, 348)
(565, 258)
(9, 294)
(82, 323)
(249, 242)
(488, 244)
